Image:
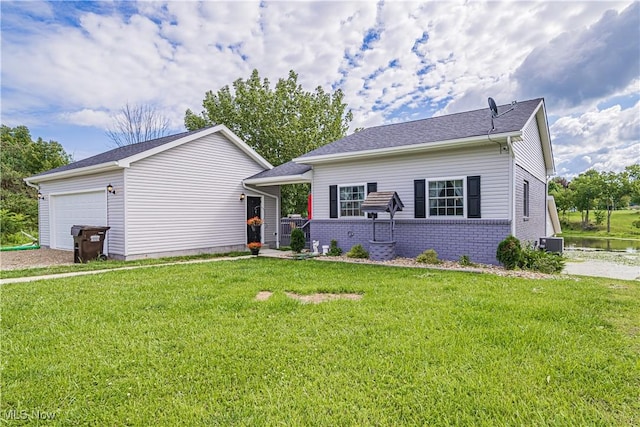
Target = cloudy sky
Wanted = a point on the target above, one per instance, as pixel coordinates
(68, 66)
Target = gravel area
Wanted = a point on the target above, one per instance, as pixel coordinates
(445, 265)
(43, 257)
(590, 263)
(615, 265)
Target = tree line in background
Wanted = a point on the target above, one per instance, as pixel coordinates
(599, 192)
(21, 157)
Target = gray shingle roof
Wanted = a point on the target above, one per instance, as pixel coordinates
(120, 153)
(453, 126)
(285, 169)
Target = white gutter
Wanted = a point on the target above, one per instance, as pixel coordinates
(404, 149)
(305, 178)
(37, 187)
(277, 210)
(102, 167)
(512, 187)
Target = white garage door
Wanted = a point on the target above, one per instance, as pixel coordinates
(68, 210)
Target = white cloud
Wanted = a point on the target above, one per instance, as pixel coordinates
(607, 140)
(87, 117)
(446, 56)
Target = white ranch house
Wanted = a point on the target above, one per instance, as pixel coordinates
(464, 188)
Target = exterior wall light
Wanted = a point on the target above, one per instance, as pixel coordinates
(110, 189)
(242, 196)
(40, 196)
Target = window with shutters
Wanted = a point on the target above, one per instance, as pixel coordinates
(351, 198)
(446, 197)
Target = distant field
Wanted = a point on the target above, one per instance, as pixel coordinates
(621, 225)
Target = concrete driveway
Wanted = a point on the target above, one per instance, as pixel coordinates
(603, 269)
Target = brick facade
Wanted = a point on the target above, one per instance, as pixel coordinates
(533, 227)
(477, 238)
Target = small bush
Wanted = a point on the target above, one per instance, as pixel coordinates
(541, 260)
(430, 256)
(357, 252)
(297, 240)
(636, 224)
(334, 250)
(466, 261)
(509, 252)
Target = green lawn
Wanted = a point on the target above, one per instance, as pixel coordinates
(110, 264)
(189, 345)
(621, 224)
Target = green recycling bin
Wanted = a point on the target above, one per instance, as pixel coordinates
(88, 242)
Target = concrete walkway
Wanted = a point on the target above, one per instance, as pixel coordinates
(604, 269)
(107, 270)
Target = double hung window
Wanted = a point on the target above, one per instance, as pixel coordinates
(446, 198)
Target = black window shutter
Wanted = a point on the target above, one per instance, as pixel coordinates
(419, 202)
(333, 201)
(473, 197)
(372, 187)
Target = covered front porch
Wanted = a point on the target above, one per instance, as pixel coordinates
(286, 174)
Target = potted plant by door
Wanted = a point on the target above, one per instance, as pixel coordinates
(254, 247)
(255, 222)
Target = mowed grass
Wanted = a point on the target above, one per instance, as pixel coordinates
(190, 345)
(109, 264)
(621, 224)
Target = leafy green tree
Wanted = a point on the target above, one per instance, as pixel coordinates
(587, 188)
(614, 192)
(562, 194)
(21, 157)
(280, 123)
(633, 174)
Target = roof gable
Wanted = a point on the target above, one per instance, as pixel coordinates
(123, 156)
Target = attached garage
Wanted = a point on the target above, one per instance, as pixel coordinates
(177, 195)
(66, 210)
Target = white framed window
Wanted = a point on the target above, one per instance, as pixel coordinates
(446, 197)
(350, 198)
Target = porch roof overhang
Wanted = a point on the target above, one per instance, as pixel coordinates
(287, 173)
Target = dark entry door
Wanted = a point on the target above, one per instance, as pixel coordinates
(253, 209)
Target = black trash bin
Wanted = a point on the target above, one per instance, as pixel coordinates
(88, 242)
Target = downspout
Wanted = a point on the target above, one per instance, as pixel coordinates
(37, 187)
(277, 210)
(512, 187)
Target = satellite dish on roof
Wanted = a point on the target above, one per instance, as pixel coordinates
(494, 111)
(493, 107)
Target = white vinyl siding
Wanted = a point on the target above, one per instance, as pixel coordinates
(398, 173)
(528, 152)
(188, 198)
(115, 205)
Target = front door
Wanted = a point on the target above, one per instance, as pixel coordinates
(253, 209)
